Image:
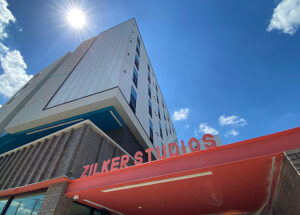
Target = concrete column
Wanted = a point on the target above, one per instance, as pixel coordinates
(55, 203)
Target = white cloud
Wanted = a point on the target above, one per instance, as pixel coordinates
(0, 106)
(204, 128)
(5, 18)
(286, 17)
(232, 120)
(232, 133)
(14, 75)
(181, 114)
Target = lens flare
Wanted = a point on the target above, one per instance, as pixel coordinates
(76, 18)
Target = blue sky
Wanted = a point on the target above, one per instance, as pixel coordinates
(231, 67)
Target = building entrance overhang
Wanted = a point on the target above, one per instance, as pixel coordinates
(232, 179)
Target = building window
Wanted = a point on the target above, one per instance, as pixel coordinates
(163, 104)
(25, 205)
(164, 116)
(132, 102)
(149, 91)
(156, 88)
(149, 78)
(167, 131)
(79, 209)
(135, 77)
(150, 107)
(138, 40)
(137, 62)
(157, 99)
(148, 66)
(151, 130)
(160, 130)
(2, 204)
(138, 50)
(158, 112)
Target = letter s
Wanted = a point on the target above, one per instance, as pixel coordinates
(208, 138)
(138, 157)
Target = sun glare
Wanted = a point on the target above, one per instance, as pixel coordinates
(76, 18)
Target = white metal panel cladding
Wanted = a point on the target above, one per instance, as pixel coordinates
(125, 84)
(99, 69)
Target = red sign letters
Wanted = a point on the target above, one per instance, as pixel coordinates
(173, 149)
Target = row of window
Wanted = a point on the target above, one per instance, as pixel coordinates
(133, 96)
(158, 102)
(22, 205)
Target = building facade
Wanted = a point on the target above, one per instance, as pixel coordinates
(108, 79)
(85, 136)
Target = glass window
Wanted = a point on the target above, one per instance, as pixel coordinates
(160, 130)
(138, 40)
(137, 62)
(132, 102)
(151, 130)
(149, 91)
(28, 205)
(156, 88)
(158, 112)
(77, 209)
(135, 77)
(149, 78)
(148, 66)
(2, 204)
(137, 50)
(150, 107)
(157, 99)
(167, 131)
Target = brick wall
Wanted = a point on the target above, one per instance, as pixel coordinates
(55, 203)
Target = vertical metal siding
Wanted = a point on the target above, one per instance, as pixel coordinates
(99, 69)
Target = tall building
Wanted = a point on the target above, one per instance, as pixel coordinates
(86, 136)
(109, 80)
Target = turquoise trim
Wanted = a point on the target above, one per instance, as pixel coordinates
(102, 118)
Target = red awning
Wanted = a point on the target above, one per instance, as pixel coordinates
(232, 179)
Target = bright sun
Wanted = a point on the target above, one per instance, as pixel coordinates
(76, 18)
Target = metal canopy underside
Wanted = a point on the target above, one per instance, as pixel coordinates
(238, 187)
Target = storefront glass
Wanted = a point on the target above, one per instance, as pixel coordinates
(26, 205)
(2, 204)
(78, 209)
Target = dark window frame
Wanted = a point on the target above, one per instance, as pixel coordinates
(149, 78)
(151, 130)
(138, 50)
(149, 91)
(138, 40)
(137, 62)
(150, 108)
(160, 130)
(133, 98)
(158, 111)
(135, 77)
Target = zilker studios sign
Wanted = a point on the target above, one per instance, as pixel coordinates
(173, 149)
